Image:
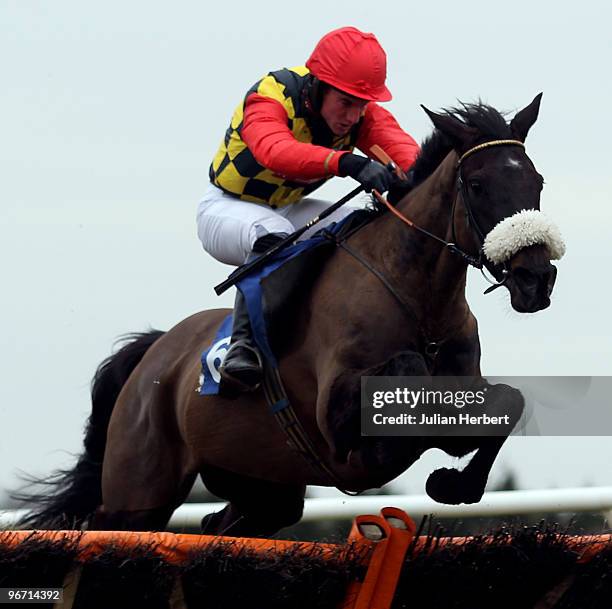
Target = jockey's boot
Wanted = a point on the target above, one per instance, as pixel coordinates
(242, 368)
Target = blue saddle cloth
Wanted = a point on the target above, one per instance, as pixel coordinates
(252, 288)
(213, 357)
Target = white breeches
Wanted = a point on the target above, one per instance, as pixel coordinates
(228, 227)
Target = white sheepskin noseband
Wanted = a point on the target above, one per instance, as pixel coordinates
(524, 228)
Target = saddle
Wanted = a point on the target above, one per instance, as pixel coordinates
(274, 291)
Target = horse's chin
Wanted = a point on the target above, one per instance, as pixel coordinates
(527, 302)
(530, 287)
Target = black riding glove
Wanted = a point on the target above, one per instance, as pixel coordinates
(370, 174)
(400, 188)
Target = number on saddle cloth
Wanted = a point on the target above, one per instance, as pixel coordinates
(213, 357)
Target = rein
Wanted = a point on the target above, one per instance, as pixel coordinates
(475, 261)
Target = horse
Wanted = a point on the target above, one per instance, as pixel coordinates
(391, 302)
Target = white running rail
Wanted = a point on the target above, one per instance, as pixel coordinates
(498, 503)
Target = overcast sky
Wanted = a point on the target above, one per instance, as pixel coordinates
(110, 114)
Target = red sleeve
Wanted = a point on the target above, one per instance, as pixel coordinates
(380, 127)
(266, 133)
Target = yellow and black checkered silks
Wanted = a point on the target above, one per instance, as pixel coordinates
(234, 168)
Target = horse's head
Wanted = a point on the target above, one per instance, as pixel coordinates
(497, 202)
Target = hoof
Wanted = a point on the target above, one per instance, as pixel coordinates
(452, 487)
(210, 524)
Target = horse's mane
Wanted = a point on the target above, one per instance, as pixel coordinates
(487, 120)
(490, 124)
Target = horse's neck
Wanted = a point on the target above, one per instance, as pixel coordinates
(433, 279)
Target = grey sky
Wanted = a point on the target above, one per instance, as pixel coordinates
(110, 114)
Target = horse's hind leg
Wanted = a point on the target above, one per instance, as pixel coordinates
(136, 520)
(257, 508)
(109, 518)
(147, 471)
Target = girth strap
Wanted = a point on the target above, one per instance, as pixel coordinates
(298, 440)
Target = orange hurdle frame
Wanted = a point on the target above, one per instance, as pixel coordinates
(382, 540)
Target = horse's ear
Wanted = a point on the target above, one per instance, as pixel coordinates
(459, 134)
(524, 119)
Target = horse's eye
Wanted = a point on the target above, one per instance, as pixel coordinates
(475, 186)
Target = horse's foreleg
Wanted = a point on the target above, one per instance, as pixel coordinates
(339, 414)
(453, 486)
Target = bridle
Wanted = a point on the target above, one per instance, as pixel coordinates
(463, 193)
(463, 189)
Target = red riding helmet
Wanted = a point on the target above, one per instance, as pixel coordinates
(352, 61)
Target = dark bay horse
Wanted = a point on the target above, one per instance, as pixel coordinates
(150, 432)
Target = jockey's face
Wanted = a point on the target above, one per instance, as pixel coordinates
(341, 111)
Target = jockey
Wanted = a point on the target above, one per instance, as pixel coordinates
(294, 129)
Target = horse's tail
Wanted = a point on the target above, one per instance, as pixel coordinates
(75, 493)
